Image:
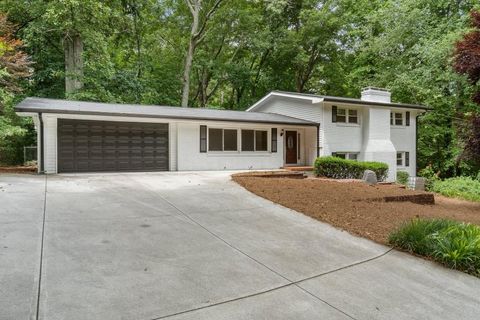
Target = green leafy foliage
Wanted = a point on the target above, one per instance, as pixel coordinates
(455, 244)
(459, 187)
(402, 177)
(337, 168)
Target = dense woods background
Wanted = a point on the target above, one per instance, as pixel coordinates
(229, 53)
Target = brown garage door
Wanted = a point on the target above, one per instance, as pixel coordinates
(92, 146)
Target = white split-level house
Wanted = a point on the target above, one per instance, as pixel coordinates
(282, 129)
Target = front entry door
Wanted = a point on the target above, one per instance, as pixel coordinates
(291, 147)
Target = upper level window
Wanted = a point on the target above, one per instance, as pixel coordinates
(254, 140)
(344, 115)
(396, 118)
(222, 139)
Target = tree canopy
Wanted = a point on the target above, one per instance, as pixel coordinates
(228, 54)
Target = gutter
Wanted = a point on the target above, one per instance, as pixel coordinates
(173, 117)
(42, 152)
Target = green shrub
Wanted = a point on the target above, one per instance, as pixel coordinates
(430, 177)
(338, 168)
(455, 244)
(402, 177)
(460, 187)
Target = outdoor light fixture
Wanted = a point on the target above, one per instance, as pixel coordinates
(281, 133)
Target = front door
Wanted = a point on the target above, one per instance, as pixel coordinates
(291, 147)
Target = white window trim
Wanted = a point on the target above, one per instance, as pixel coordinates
(255, 151)
(403, 165)
(392, 124)
(239, 141)
(347, 122)
(223, 141)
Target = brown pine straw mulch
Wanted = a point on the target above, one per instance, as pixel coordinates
(355, 206)
(18, 169)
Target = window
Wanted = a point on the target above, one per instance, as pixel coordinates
(403, 159)
(396, 118)
(254, 140)
(346, 155)
(248, 140)
(399, 159)
(261, 141)
(215, 140)
(222, 139)
(343, 115)
(230, 140)
(352, 116)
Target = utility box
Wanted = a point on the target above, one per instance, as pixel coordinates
(416, 183)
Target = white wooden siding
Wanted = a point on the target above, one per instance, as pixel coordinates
(300, 109)
(50, 143)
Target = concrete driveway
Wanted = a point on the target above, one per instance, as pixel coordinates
(197, 246)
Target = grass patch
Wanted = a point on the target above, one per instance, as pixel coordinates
(454, 244)
(460, 187)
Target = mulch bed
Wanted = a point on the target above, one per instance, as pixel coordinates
(18, 169)
(355, 206)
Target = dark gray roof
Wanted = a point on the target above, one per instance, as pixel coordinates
(358, 101)
(129, 110)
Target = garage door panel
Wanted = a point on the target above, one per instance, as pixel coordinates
(111, 146)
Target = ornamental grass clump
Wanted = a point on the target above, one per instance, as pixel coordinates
(454, 244)
(338, 168)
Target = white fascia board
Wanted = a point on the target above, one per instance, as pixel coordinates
(27, 114)
(257, 104)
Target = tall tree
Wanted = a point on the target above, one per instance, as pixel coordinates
(201, 14)
(15, 66)
(467, 62)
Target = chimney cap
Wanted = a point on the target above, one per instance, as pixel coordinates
(375, 88)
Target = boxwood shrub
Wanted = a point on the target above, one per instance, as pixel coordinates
(338, 168)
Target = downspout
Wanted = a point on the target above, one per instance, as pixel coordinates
(416, 141)
(318, 140)
(42, 152)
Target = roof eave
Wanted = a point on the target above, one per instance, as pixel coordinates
(25, 110)
(380, 104)
(260, 102)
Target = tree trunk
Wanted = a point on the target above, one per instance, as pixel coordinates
(186, 73)
(73, 46)
(196, 35)
(195, 10)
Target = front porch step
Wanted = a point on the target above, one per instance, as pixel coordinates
(299, 168)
